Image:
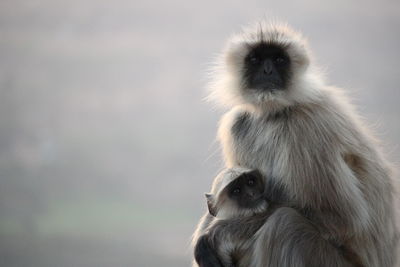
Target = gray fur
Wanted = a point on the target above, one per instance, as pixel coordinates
(308, 140)
(234, 239)
(286, 232)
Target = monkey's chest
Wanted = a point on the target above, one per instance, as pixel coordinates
(259, 148)
(272, 148)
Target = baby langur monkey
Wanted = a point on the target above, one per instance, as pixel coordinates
(241, 206)
(238, 203)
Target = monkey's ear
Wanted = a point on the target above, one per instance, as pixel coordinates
(211, 209)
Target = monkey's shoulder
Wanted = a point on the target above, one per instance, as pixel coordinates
(230, 117)
(235, 120)
(314, 126)
(241, 124)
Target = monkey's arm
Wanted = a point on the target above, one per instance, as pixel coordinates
(288, 239)
(216, 245)
(354, 190)
(224, 239)
(205, 254)
(201, 228)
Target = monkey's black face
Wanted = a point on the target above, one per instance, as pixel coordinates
(267, 68)
(247, 190)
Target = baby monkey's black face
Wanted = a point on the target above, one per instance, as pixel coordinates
(247, 190)
(267, 68)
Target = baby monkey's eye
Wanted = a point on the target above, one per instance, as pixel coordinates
(251, 182)
(236, 191)
(253, 59)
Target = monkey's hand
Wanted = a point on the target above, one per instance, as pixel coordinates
(205, 254)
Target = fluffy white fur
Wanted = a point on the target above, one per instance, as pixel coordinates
(309, 140)
(227, 86)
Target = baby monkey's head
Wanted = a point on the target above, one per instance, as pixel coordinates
(237, 192)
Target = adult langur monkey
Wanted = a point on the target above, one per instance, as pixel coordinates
(306, 138)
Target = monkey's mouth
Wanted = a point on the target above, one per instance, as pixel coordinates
(263, 84)
(251, 203)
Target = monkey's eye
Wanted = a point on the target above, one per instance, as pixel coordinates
(236, 191)
(279, 60)
(251, 182)
(253, 59)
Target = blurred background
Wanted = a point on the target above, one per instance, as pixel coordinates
(106, 143)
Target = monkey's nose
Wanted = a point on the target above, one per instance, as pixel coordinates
(268, 67)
